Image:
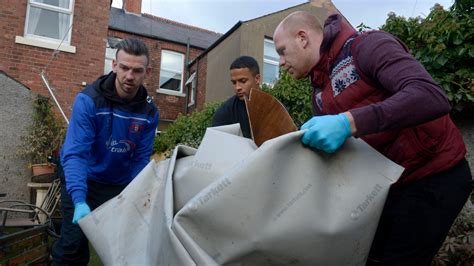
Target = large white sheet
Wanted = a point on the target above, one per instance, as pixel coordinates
(230, 202)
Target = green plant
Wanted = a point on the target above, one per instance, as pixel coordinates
(295, 95)
(362, 27)
(444, 43)
(45, 133)
(186, 129)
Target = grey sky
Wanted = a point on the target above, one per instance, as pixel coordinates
(221, 15)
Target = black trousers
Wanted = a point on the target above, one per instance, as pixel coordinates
(416, 218)
(73, 247)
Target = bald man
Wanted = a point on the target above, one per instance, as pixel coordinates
(367, 85)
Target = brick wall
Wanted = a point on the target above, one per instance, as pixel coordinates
(25, 246)
(67, 72)
(134, 6)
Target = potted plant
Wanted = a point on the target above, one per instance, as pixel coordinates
(44, 138)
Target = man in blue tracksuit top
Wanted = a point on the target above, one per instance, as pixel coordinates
(108, 142)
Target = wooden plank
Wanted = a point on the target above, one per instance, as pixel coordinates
(267, 116)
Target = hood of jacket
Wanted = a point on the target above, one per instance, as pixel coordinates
(335, 33)
(106, 86)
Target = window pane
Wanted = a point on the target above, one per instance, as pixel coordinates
(110, 53)
(57, 3)
(171, 61)
(270, 73)
(269, 51)
(107, 66)
(170, 80)
(46, 23)
(171, 70)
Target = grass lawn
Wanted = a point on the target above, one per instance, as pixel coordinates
(94, 259)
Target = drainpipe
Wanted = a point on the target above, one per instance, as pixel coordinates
(197, 79)
(45, 81)
(187, 76)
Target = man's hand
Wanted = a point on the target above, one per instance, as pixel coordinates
(81, 209)
(327, 132)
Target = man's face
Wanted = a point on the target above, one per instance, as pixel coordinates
(292, 49)
(243, 80)
(131, 70)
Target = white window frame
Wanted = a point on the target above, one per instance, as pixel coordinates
(68, 11)
(46, 42)
(166, 91)
(192, 92)
(109, 63)
(269, 61)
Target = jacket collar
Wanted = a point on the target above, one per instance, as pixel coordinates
(336, 32)
(106, 86)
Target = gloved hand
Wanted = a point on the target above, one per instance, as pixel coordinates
(81, 209)
(327, 132)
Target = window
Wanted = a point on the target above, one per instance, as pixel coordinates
(110, 51)
(171, 71)
(49, 20)
(270, 63)
(191, 84)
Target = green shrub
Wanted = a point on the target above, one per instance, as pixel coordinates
(444, 43)
(186, 129)
(295, 95)
(45, 134)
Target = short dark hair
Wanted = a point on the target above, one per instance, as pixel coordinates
(133, 47)
(246, 62)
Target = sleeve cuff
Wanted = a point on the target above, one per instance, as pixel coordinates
(365, 119)
(78, 196)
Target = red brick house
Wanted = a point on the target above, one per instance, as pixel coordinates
(71, 42)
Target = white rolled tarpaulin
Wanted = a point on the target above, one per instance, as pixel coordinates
(229, 202)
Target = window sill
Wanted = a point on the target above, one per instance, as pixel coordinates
(44, 44)
(168, 92)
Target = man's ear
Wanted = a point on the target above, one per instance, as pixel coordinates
(258, 77)
(114, 65)
(302, 37)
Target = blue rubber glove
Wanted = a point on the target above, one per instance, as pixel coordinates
(327, 132)
(81, 209)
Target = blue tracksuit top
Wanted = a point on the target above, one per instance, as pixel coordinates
(109, 140)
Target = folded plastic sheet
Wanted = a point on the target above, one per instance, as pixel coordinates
(229, 202)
